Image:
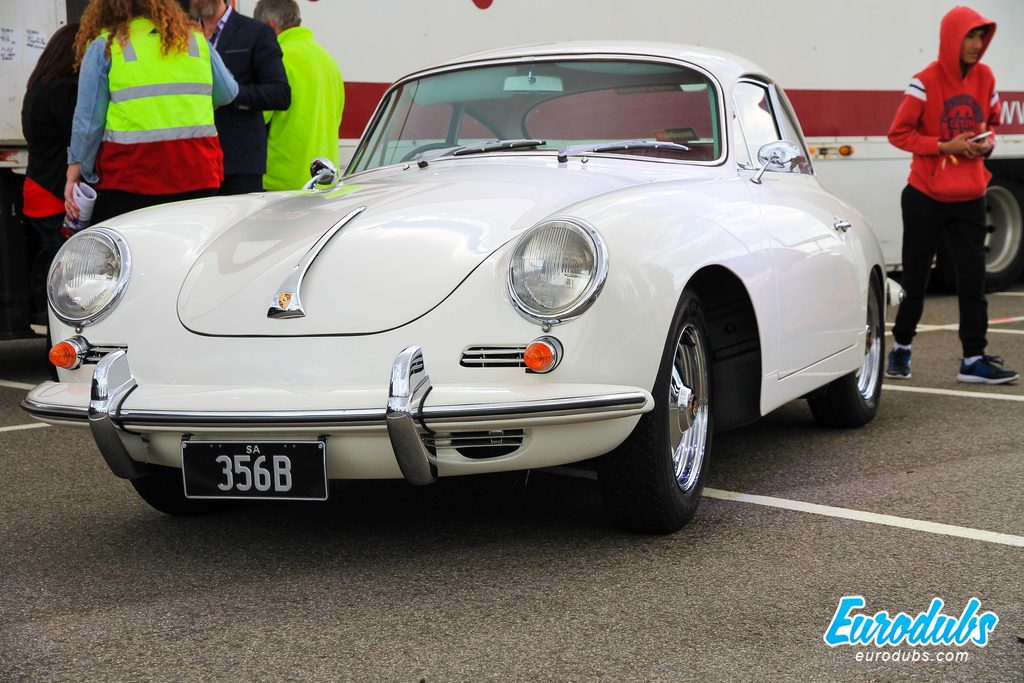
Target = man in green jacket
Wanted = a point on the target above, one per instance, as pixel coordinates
(309, 127)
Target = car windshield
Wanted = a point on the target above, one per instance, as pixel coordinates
(553, 105)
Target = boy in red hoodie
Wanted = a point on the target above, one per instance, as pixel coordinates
(945, 109)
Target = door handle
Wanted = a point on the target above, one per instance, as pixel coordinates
(842, 225)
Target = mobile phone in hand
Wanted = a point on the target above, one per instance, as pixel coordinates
(980, 136)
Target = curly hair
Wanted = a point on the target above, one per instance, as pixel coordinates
(173, 25)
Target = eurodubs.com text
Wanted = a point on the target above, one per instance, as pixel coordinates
(946, 657)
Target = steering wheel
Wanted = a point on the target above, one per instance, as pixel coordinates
(426, 148)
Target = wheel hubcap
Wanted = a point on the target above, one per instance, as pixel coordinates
(870, 369)
(688, 408)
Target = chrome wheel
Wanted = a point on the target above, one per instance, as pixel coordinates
(653, 481)
(688, 408)
(870, 372)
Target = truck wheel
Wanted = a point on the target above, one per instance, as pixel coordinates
(852, 400)
(652, 483)
(164, 490)
(1004, 258)
(1004, 244)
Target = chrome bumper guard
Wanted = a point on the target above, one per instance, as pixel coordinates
(112, 381)
(406, 418)
(409, 387)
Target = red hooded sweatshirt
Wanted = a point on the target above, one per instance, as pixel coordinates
(940, 104)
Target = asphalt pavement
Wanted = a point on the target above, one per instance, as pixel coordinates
(518, 577)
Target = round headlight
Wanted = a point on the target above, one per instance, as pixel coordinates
(557, 270)
(88, 276)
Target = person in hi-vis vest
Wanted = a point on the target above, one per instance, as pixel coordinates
(143, 131)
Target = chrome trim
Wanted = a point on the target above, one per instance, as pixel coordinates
(493, 356)
(841, 224)
(476, 412)
(359, 418)
(373, 417)
(287, 303)
(120, 247)
(588, 297)
(55, 412)
(488, 439)
(409, 387)
(322, 172)
(112, 381)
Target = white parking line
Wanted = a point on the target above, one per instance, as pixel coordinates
(14, 428)
(16, 385)
(842, 513)
(1007, 294)
(871, 517)
(953, 392)
(924, 327)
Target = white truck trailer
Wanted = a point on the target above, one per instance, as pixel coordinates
(844, 65)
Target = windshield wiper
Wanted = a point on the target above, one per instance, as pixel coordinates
(618, 146)
(424, 158)
(497, 146)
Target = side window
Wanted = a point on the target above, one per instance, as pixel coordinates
(756, 118)
(791, 126)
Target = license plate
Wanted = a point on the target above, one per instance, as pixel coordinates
(276, 470)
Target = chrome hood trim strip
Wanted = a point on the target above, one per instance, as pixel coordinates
(287, 303)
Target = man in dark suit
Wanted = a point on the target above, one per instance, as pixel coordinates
(250, 50)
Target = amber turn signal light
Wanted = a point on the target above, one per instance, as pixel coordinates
(543, 355)
(67, 355)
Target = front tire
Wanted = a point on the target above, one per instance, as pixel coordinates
(852, 400)
(652, 483)
(164, 490)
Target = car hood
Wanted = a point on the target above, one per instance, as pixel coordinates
(421, 233)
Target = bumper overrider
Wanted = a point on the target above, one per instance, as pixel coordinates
(409, 422)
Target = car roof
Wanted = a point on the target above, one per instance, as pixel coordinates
(723, 65)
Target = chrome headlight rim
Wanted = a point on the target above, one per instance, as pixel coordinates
(593, 289)
(117, 244)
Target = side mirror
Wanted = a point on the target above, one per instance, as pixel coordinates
(781, 155)
(323, 172)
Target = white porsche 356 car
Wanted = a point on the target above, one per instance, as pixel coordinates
(538, 256)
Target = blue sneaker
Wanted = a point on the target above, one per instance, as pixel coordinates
(986, 370)
(899, 364)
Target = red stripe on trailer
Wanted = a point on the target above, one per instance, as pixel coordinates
(854, 113)
(360, 101)
(822, 113)
(843, 113)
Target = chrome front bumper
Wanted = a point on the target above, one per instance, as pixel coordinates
(405, 417)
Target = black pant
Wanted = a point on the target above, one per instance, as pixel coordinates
(50, 240)
(110, 203)
(962, 224)
(241, 183)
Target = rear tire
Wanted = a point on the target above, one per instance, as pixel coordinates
(164, 490)
(852, 400)
(652, 483)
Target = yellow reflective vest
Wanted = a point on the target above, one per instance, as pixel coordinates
(159, 135)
